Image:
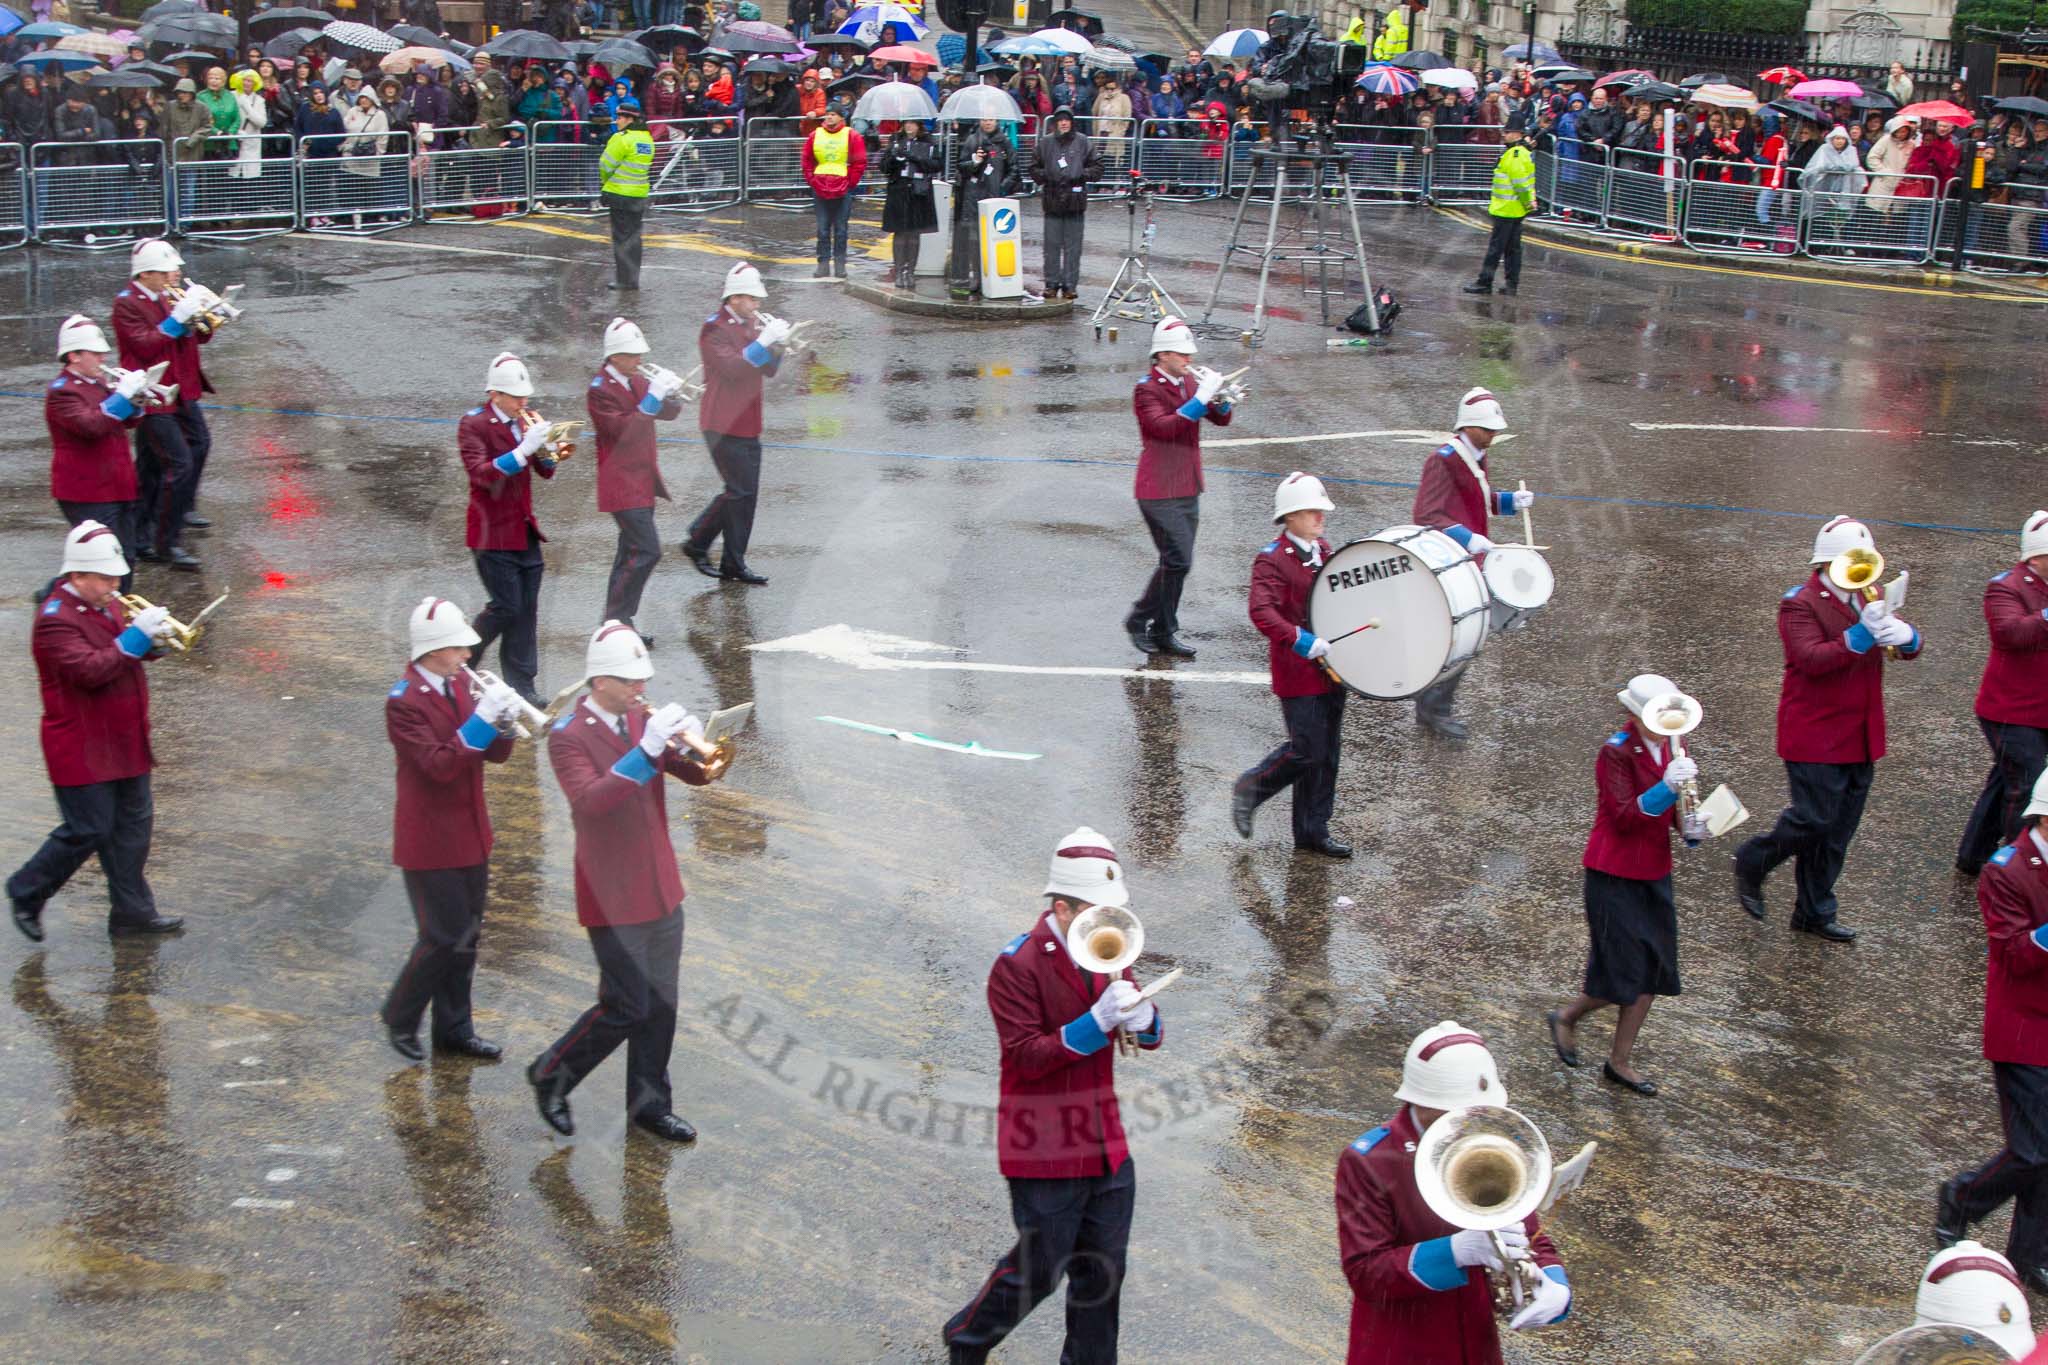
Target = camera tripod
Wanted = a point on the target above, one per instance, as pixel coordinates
(1320, 246)
(1136, 295)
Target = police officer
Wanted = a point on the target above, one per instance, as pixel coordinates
(1455, 497)
(1415, 1299)
(1830, 732)
(1311, 704)
(172, 442)
(1171, 402)
(739, 345)
(625, 399)
(2012, 700)
(501, 452)
(624, 172)
(89, 414)
(2012, 895)
(1060, 1143)
(609, 753)
(1970, 1285)
(440, 829)
(1512, 200)
(89, 656)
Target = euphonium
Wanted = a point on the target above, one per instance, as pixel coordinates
(714, 759)
(1936, 1344)
(1673, 714)
(1856, 570)
(1486, 1167)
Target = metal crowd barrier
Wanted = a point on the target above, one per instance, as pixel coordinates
(1890, 231)
(359, 195)
(2001, 239)
(1729, 217)
(235, 193)
(1572, 180)
(101, 195)
(695, 171)
(1646, 203)
(1119, 155)
(1174, 153)
(482, 182)
(1461, 167)
(775, 166)
(1385, 160)
(565, 175)
(14, 228)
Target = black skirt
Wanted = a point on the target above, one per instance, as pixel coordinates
(1632, 928)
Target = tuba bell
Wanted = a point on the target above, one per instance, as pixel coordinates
(1673, 715)
(1105, 939)
(1856, 571)
(1487, 1167)
(1936, 1344)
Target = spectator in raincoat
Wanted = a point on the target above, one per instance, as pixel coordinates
(664, 100)
(225, 115)
(810, 101)
(1888, 162)
(538, 103)
(1937, 158)
(1033, 98)
(187, 122)
(1834, 179)
(986, 169)
(318, 124)
(493, 109)
(910, 162)
(1393, 39)
(255, 116)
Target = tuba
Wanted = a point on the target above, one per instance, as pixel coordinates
(1936, 1344)
(1856, 571)
(1487, 1167)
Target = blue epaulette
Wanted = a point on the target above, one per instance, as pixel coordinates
(125, 294)
(1446, 450)
(52, 607)
(1270, 547)
(2001, 576)
(1792, 592)
(1365, 1142)
(398, 688)
(1619, 737)
(473, 412)
(597, 381)
(563, 723)
(2004, 855)
(1010, 948)
(712, 318)
(58, 383)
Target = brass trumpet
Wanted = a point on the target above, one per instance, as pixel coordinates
(155, 391)
(219, 311)
(689, 387)
(561, 438)
(528, 712)
(795, 338)
(714, 759)
(177, 634)
(1856, 570)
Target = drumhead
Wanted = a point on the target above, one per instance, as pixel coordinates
(1519, 576)
(1370, 579)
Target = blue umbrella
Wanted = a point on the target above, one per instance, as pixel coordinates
(866, 22)
(1238, 42)
(9, 21)
(1028, 45)
(45, 62)
(1387, 80)
(48, 28)
(1525, 52)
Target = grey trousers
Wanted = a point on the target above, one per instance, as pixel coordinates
(1063, 250)
(639, 551)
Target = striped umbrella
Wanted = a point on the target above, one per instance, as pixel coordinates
(1109, 59)
(361, 37)
(1237, 42)
(103, 45)
(1381, 79)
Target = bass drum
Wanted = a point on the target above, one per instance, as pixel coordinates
(1429, 598)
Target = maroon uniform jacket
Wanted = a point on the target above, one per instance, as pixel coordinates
(500, 504)
(1626, 840)
(1170, 459)
(2012, 893)
(1831, 708)
(138, 333)
(89, 456)
(2015, 686)
(625, 866)
(628, 474)
(1449, 495)
(1057, 1115)
(95, 697)
(1281, 579)
(731, 405)
(440, 820)
(1383, 1232)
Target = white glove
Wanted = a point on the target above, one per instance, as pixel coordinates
(1108, 1010)
(1680, 769)
(188, 307)
(1318, 649)
(530, 443)
(662, 727)
(1207, 382)
(1522, 497)
(153, 622)
(662, 383)
(498, 704)
(1478, 544)
(1132, 1013)
(1546, 1305)
(1472, 1247)
(1874, 614)
(693, 727)
(773, 332)
(133, 382)
(1892, 631)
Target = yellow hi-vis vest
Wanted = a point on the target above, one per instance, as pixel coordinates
(1393, 39)
(627, 159)
(828, 150)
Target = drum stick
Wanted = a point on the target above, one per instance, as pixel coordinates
(1528, 531)
(1369, 625)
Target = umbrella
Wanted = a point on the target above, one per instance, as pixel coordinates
(361, 37)
(193, 30)
(1562, 75)
(164, 75)
(1066, 40)
(1236, 42)
(1525, 52)
(101, 45)
(164, 9)
(47, 28)
(1940, 109)
(403, 61)
(754, 35)
(1090, 23)
(848, 40)
(1800, 109)
(866, 22)
(1826, 89)
(1382, 79)
(769, 66)
(1724, 96)
(1633, 76)
(2023, 104)
(1873, 99)
(853, 82)
(127, 78)
(909, 55)
(1657, 92)
(275, 21)
(1705, 78)
(1001, 69)
(1451, 78)
(716, 54)
(897, 100)
(7, 71)
(192, 54)
(979, 102)
(415, 36)
(1109, 59)
(1120, 44)
(668, 37)
(1028, 45)
(1782, 75)
(43, 63)
(619, 53)
(1421, 59)
(288, 45)
(527, 45)
(9, 21)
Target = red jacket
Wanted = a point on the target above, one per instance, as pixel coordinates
(138, 332)
(1626, 840)
(89, 456)
(2012, 894)
(439, 819)
(1056, 1117)
(625, 866)
(1170, 460)
(1281, 579)
(1934, 157)
(2015, 686)
(731, 405)
(1410, 1303)
(628, 474)
(1450, 496)
(1831, 708)
(832, 186)
(500, 504)
(95, 697)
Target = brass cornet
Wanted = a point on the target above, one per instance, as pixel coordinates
(155, 392)
(529, 713)
(560, 443)
(1856, 571)
(219, 310)
(795, 338)
(177, 634)
(714, 759)
(689, 387)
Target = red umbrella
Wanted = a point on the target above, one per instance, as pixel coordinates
(1782, 75)
(899, 53)
(1940, 109)
(1611, 77)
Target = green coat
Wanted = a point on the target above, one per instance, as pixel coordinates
(226, 117)
(493, 112)
(185, 128)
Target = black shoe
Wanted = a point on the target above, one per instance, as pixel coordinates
(823, 272)
(623, 288)
(1170, 643)
(1139, 628)
(1441, 723)
(197, 522)
(1826, 929)
(181, 558)
(1479, 289)
(743, 574)
(1951, 1224)
(648, 641)
(483, 1049)
(1241, 808)
(669, 1126)
(1568, 1055)
(700, 558)
(2034, 1277)
(1608, 1072)
(155, 924)
(554, 1106)
(1749, 892)
(406, 1045)
(1326, 846)
(149, 556)
(28, 917)
(839, 269)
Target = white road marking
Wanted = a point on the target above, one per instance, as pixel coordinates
(295, 1149)
(1958, 437)
(248, 1085)
(843, 644)
(246, 1202)
(278, 1175)
(219, 1044)
(252, 1060)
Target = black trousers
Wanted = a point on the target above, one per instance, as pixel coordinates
(170, 456)
(1307, 762)
(110, 820)
(730, 514)
(2018, 754)
(1436, 698)
(1077, 1228)
(633, 563)
(118, 517)
(1815, 830)
(1503, 249)
(964, 265)
(448, 916)
(511, 579)
(2020, 1170)
(638, 966)
(1172, 522)
(628, 215)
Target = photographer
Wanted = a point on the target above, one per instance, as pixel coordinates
(985, 172)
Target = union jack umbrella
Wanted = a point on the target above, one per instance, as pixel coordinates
(1387, 80)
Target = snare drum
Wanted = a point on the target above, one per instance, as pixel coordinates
(1429, 597)
(1519, 576)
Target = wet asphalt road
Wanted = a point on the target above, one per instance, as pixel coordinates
(971, 488)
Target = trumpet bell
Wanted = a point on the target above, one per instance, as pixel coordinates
(1483, 1167)
(1855, 569)
(1936, 1344)
(1672, 713)
(1105, 938)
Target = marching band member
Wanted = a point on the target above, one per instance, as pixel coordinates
(1059, 1138)
(1455, 497)
(441, 831)
(1414, 1297)
(1830, 733)
(92, 472)
(609, 753)
(1631, 919)
(738, 350)
(1172, 401)
(500, 452)
(1310, 703)
(2012, 895)
(624, 402)
(173, 441)
(89, 656)
(2012, 700)
(1970, 1285)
